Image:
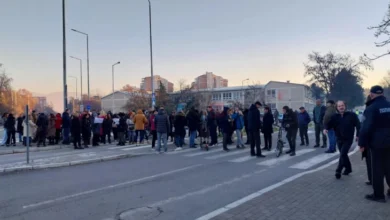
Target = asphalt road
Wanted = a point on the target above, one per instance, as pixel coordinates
(178, 185)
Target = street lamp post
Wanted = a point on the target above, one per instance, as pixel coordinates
(151, 53)
(64, 55)
(87, 58)
(76, 83)
(81, 77)
(112, 96)
(242, 89)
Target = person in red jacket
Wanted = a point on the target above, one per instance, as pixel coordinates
(58, 127)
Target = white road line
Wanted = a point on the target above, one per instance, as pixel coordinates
(183, 151)
(130, 214)
(275, 161)
(306, 164)
(228, 154)
(136, 148)
(265, 190)
(249, 157)
(203, 152)
(109, 187)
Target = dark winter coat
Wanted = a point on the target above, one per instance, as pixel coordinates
(268, 121)
(344, 126)
(75, 126)
(321, 116)
(211, 119)
(162, 122)
(193, 120)
(179, 123)
(19, 126)
(11, 122)
(122, 126)
(290, 120)
(303, 118)
(254, 123)
(375, 132)
(42, 123)
(225, 121)
(107, 125)
(86, 126)
(65, 120)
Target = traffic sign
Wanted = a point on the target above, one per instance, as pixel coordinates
(89, 107)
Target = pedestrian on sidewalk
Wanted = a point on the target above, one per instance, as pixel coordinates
(212, 125)
(290, 123)
(11, 129)
(65, 127)
(107, 129)
(131, 127)
(192, 121)
(5, 136)
(366, 154)
(268, 129)
(238, 118)
(140, 122)
(42, 123)
(162, 127)
(179, 128)
(152, 124)
(171, 122)
(248, 137)
(19, 127)
(86, 129)
(122, 129)
(51, 131)
(344, 123)
(303, 125)
(375, 135)
(330, 111)
(31, 128)
(318, 118)
(58, 127)
(76, 131)
(254, 126)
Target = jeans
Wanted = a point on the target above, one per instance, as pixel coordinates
(319, 131)
(239, 138)
(303, 134)
(5, 137)
(141, 134)
(20, 136)
(130, 135)
(192, 138)
(292, 138)
(332, 140)
(179, 141)
(65, 133)
(162, 137)
(344, 162)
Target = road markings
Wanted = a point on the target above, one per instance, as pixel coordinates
(203, 152)
(182, 151)
(228, 154)
(108, 187)
(306, 164)
(278, 160)
(249, 157)
(136, 148)
(130, 214)
(265, 190)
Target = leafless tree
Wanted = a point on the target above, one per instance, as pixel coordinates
(382, 30)
(138, 100)
(254, 93)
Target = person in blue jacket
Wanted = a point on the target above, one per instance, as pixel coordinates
(238, 118)
(303, 125)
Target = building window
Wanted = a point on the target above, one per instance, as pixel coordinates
(237, 95)
(271, 93)
(216, 97)
(272, 106)
(227, 96)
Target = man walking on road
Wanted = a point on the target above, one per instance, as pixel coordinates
(318, 118)
(254, 126)
(303, 121)
(330, 111)
(375, 135)
(344, 123)
(162, 127)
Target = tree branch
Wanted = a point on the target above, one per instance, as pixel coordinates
(377, 57)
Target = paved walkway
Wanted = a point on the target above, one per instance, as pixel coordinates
(315, 196)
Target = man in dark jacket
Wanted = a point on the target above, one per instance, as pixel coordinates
(254, 126)
(318, 118)
(303, 121)
(76, 131)
(290, 123)
(193, 121)
(248, 139)
(10, 126)
(212, 125)
(107, 128)
(180, 132)
(375, 134)
(19, 127)
(162, 128)
(66, 127)
(330, 111)
(42, 124)
(344, 124)
(225, 123)
(267, 130)
(122, 129)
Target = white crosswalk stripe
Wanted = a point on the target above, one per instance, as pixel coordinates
(276, 161)
(228, 154)
(136, 148)
(203, 153)
(249, 157)
(306, 164)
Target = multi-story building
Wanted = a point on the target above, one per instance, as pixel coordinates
(41, 103)
(146, 83)
(209, 81)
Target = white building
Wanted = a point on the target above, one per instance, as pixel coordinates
(117, 101)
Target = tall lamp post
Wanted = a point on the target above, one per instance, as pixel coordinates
(76, 83)
(151, 54)
(112, 96)
(81, 77)
(64, 56)
(87, 59)
(242, 89)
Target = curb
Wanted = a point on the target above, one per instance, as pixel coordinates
(65, 164)
(23, 150)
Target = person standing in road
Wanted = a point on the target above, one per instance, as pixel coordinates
(238, 118)
(140, 121)
(303, 124)
(180, 132)
(122, 129)
(212, 125)
(375, 135)
(248, 138)
(86, 127)
(58, 127)
(193, 121)
(42, 123)
(11, 122)
(171, 119)
(268, 129)
(66, 127)
(330, 111)
(51, 130)
(254, 126)
(290, 123)
(366, 154)
(162, 127)
(225, 123)
(344, 123)
(107, 129)
(152, 124)
(19, 127)
(318, 118)
(76, 131)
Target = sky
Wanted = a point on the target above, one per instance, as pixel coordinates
(261, 40)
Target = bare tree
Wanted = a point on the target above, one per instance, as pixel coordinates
(382, 30)
(182, 84)
(138, 100)
(254, 93)
(128, 88)
(322, 70)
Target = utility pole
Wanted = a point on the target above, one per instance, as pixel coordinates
(64, 56)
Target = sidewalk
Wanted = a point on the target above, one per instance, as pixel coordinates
(315, 196)
(19, 148)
